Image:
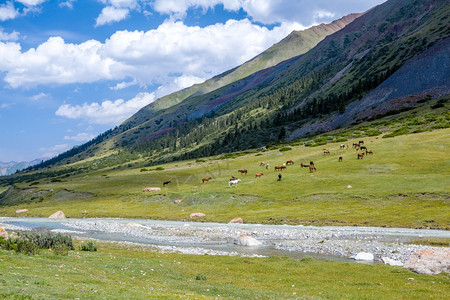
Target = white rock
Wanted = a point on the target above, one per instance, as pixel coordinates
(237, 220)
(244, 240)
(57, 215)
(21, 211)
(364, 256)
(152, 189)
(197, 215)
(392, 262)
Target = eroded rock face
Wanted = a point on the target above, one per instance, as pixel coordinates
(197, 215)
(58, 215)
(237, 220)
(244, 240)
(429, 261)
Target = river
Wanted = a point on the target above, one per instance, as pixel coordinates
(328, 242)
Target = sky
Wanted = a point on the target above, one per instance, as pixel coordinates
(72, 69)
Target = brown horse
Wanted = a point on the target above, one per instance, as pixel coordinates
(304, 166)
(362, 148)
(243, 171)
(325, 151)
(278, 168)
(360, 155)
(257, 175)
(289, 162)
(340, 158)
(206, 179)
(312, 168)
(369, 152)
(283, 167)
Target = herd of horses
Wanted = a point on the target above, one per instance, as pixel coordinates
(234, 180)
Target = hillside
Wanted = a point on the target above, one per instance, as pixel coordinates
(335, 84)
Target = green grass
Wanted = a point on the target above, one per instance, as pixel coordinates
(125, 272)
(403, 184)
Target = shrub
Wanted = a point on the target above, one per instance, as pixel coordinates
(89, 246)
(144, 170)
(159, 169)
(285, 149)
(200, 277)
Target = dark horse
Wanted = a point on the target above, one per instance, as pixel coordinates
(166, 182)
(243, 171)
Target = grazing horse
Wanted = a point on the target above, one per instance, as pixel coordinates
(304, 166)
(206, 179)
(262, 164)
(279, 177)
(342, 146)
(234, 182)
(166, 182)
(282, 168)
(361, 142)
(233, 178)
(362, 148)
(312, 168)
(360, 155)
(325, 151)
(289, 162)
(244, 171)
(369, 152)
(257, 175)
(340, 158)
(355, 145)
(277, 168)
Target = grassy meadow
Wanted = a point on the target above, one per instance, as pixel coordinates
(403, 184)
(127, 272)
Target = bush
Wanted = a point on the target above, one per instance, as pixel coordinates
(285, 149)
(200, 277)
(159, 169)
(144, 170)
(89, 246)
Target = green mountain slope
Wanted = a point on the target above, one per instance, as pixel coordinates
(327, 87)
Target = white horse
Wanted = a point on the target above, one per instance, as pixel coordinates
(235, 182)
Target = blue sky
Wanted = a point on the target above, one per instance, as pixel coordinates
(71, 69)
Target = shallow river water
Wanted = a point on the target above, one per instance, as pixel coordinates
(328, 242)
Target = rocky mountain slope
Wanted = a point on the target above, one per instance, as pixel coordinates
(396, 50)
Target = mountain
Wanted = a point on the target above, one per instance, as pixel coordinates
(7, 168)
(390, 58)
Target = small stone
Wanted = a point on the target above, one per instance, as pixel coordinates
(364, 256)
(57, 215)
(349, 186)
(236, 220)
(19, 211)
(197, 215)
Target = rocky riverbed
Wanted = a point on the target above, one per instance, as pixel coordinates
(218, 239)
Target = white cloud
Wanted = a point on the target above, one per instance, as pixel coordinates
(80, 137)
(54, 150)
(31, 2)
(108, 112)
(7, 11)
(4, 36)
(123, 85)
(110, 15)
(68, 4)
(39, 96)
(157, 56)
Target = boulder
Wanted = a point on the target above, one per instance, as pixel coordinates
(152, 189)
(58, 215)
(429, 261)
(245, 240)
(391, 262)
(19, 211)
(236, 220)
(3, 233)
(197, 215)
(364, 256)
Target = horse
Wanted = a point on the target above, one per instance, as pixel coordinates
(262, 164)
(206, 179)
(325, 151)
(312, 168)
(362, 148)
(234, 182)
(166, 182)
(340, 158)
(279, 177)
(355, 145)
(360, 155)
(342, 146)
(304, 166)
(369, 152)
(277, 168)
(233, 178)
(361, 142)
(257, 175)
(243, 171)
(289, 162)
